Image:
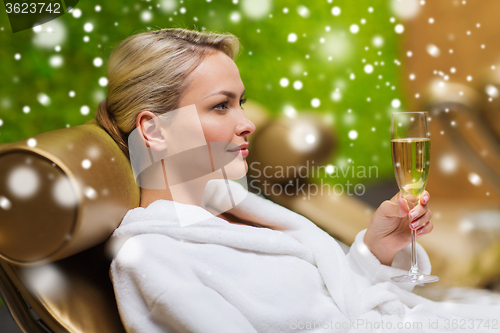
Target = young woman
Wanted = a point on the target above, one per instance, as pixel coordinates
(202, 254)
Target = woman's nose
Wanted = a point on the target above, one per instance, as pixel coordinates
(245, 126)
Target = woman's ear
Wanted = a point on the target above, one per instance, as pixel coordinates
(151, 131)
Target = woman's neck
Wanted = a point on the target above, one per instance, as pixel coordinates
(148, 196)
(187, 192)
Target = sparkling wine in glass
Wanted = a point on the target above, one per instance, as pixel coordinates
(411, 147)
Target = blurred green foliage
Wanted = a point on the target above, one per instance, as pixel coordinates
(350, 98)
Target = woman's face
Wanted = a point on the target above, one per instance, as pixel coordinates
(217, 92)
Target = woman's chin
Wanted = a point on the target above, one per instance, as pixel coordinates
(236, 169)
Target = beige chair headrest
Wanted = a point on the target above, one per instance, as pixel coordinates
(62, 192)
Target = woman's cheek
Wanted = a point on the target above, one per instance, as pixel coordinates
(217, 131)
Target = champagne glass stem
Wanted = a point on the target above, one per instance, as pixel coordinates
(414, 267)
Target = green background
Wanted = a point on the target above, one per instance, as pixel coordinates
(266, 57)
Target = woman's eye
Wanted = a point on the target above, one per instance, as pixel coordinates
(243, 101)
(221, 106)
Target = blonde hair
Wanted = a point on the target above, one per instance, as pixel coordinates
(148, 71)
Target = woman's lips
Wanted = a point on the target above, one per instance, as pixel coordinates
(244, 151)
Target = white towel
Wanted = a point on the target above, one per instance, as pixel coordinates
(215, 276)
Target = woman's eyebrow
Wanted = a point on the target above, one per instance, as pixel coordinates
(225, 92)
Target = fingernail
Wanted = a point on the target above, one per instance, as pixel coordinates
(424, 200)
(419, 232)
(413, 215)
(413, 225)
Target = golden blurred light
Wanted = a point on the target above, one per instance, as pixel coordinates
(63, 193)
(45, 279)
(303, 137)
(5, 203)
(405, 9)
(433, 50)
(475, 179)
(448, 164)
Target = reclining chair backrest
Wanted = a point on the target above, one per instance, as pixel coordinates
(62, 193)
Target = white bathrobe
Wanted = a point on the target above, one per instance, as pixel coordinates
(289, 276)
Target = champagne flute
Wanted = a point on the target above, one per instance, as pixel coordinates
(411, 146)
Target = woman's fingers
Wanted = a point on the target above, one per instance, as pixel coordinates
(403, 208)
(425, 229)
(422, 220)
(397, 206)
(419, 210)
(391, 209)
(422, 223)
(424, 198)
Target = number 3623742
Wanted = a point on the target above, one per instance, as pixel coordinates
(32, 8)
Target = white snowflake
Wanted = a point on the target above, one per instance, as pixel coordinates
(433, 50)
(303, 11)
(256, 9)
(103, 82)
(88, 27)
(56, 61)
(5, 203)
(315, 102)
(284, 82)
(354, 28)
(84, 110)
(146, 16)
(76, 12)
(336, 95)
(475, 179)
(97, 62)
(336, 11)
(43, 99)
(86, 164)
(24, 181)
(377, 41)
(405, 9)
(290, 111)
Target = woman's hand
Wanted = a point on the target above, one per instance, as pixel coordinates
(389, 229)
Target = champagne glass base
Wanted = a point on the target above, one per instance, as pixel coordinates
(415, 278)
